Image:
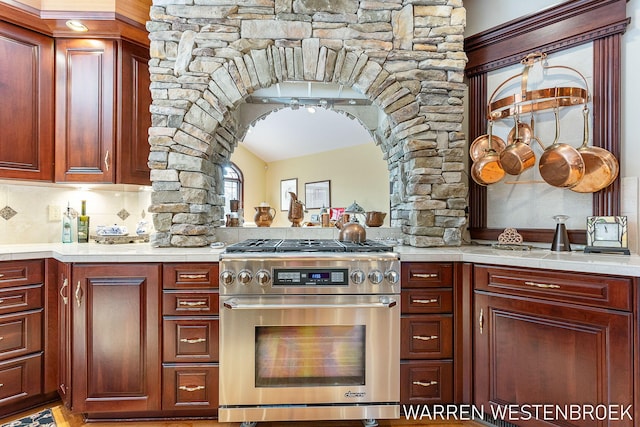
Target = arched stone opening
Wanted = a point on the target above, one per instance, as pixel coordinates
(196, 93)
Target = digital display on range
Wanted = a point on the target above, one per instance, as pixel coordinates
(310, 276)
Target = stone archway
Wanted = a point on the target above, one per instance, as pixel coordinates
(197, 86)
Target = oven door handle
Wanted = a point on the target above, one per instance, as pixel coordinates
(234, 304)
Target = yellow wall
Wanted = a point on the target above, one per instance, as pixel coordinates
(358, 173)
(254, 174)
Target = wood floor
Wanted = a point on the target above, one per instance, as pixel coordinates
(65, 419)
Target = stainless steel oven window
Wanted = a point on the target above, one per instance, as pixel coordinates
(308, 356)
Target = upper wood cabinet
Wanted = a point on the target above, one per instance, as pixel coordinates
(102, 111)
(132, 153)
(26, 112)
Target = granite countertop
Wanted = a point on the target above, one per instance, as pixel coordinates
(143, 252)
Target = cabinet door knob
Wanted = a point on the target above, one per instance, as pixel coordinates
(481, 320)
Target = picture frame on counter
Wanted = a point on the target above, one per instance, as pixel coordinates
(607, 234)
(317, 194)
(286, 186)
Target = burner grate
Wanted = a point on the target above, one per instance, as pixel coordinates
(254, 245)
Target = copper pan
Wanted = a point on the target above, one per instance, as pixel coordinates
(484, 143)
(487, 169)
(601, 166)
(561, 165)
(518, 156)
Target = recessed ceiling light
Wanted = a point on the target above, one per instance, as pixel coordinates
(76, 26)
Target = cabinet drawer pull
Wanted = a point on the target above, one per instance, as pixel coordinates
(193, 276)
(1, 385)
(193, 340)
(425, 275)
(1, 301)
(481, 320)
(542, 285)
(429, 338)
(64, 285)
(106, 161)
(1, 275)
(1, 338)
(429, 384)
(425, 301)
(191, 388)
(192, 303)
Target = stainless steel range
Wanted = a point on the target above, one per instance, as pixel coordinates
(309, 330)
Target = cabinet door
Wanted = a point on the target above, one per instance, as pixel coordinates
(26, 112)
(530, 352)
(116, 338)
(85, 120)
(135, 117)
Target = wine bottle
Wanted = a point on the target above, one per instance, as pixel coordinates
(83, 224)
(67, 229)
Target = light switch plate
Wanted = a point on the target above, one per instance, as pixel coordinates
(55, 213)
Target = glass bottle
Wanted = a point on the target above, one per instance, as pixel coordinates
(83, 224)
(67, 229)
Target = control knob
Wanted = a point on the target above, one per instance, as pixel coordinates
(392, 276)
(375, 277)
(358, 277)
(245, 277)
(263, 277)
(227, 277)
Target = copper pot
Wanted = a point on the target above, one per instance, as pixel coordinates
(374, 218)
(518, 156)
(601, 166)
(561, 165)
(488, 169)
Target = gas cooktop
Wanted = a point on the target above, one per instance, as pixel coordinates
(306, 245)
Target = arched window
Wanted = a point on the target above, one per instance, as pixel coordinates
(233, 185)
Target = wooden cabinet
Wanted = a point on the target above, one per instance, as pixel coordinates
(102, 111)
(22, 296)
(115, 334)
(190, 338)
(132, 154)
(27, 109)
(62, 280)
(427, 336)
(550, 337)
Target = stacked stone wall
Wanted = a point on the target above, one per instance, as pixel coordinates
(208, 56)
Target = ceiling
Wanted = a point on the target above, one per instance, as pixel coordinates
(294, 132)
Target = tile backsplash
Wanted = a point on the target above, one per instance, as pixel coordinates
(27, 210)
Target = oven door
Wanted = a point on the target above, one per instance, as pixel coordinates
(309, 350)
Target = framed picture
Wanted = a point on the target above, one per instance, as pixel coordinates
(607, 234)
(286, 186)
(317, 194)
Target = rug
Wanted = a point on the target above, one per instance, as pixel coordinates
(43, 418)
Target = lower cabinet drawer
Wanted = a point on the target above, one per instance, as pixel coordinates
(20, 298)
(21, 378)
(189, 387)
(426, 382)
(427, 301)
(428, 336)
(192, 303)
(190, 339)
(20, 334)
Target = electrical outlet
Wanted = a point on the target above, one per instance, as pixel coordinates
(55, 213)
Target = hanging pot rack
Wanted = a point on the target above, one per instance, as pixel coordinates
(529, 101)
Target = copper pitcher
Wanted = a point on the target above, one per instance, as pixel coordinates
(296, 210)
(264, 216)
